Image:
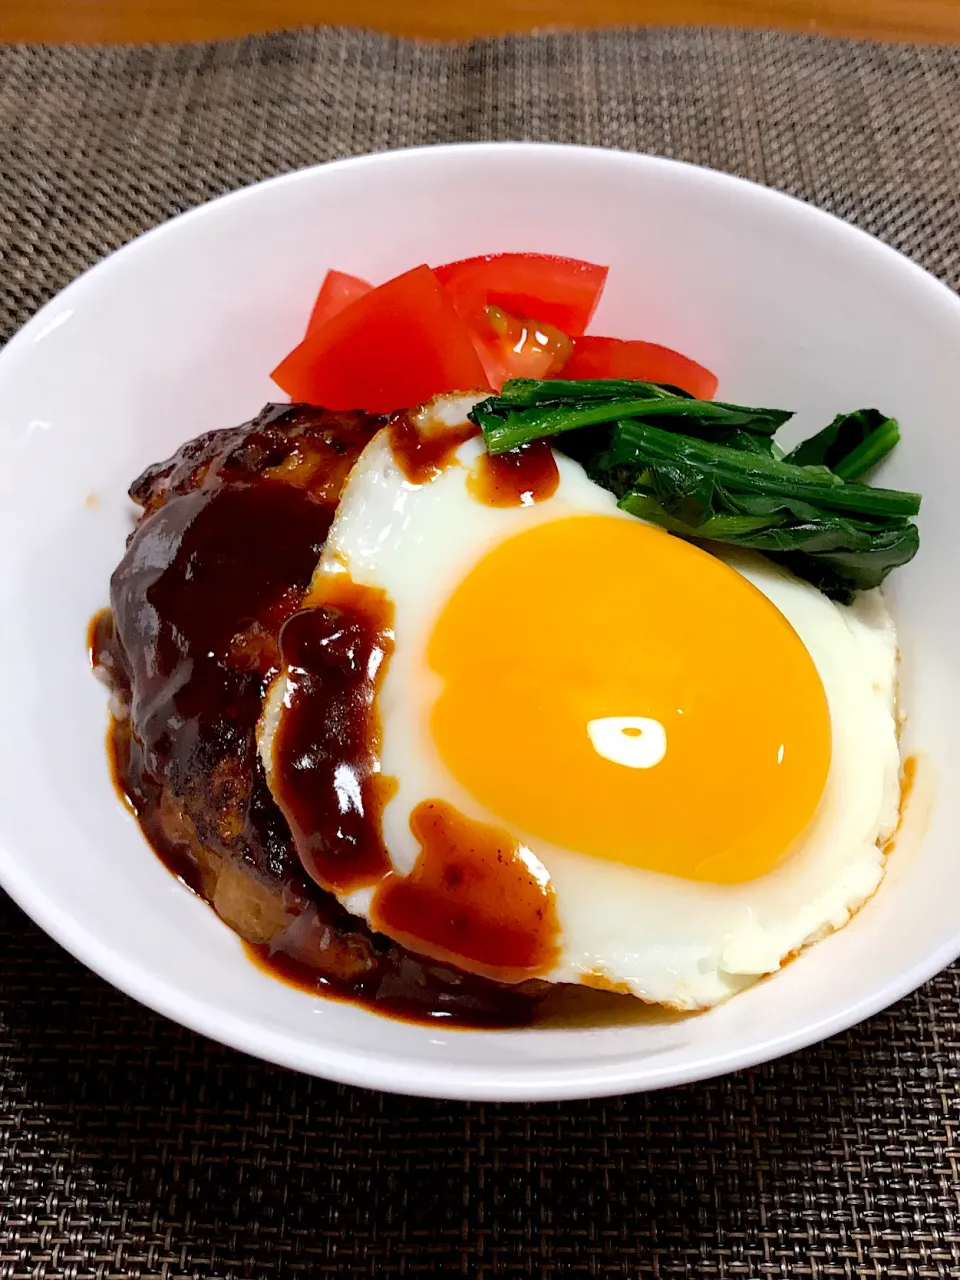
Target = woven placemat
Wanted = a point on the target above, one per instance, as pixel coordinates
(129, 1147)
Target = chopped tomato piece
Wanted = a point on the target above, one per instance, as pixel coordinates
(337, 291)
(618, 358)
(398, 345)
(559, 292)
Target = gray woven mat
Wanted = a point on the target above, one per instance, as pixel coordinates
(131, 1148)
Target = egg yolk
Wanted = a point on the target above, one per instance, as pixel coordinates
(612, 689)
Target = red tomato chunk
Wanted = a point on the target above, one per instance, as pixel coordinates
(337, 292)
(647, 361)
(398, 345)
(506, 299)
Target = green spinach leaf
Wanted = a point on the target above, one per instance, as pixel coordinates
(712, 471)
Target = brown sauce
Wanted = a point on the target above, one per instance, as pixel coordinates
(313, 944)
(422, 455)
(326, 750)
(220, 560)
(472, 898)
(518, 478)
(414, 991)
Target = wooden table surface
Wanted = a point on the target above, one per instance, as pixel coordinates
(112, 20)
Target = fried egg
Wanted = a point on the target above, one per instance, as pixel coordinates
(609, 756)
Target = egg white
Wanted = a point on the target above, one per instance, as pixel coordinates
(667, 940)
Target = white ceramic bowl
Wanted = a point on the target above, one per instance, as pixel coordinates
(176, 333)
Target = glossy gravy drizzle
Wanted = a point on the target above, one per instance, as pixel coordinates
(475, 897)
(518, 478)
(326, 750)
(422, 455)
(323, 950)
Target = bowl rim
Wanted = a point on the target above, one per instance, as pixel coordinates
(529, 1080)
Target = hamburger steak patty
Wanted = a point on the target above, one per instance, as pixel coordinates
(230, 532)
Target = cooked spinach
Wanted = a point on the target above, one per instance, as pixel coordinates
(852, 444)
(528, 410)
(713, 471)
